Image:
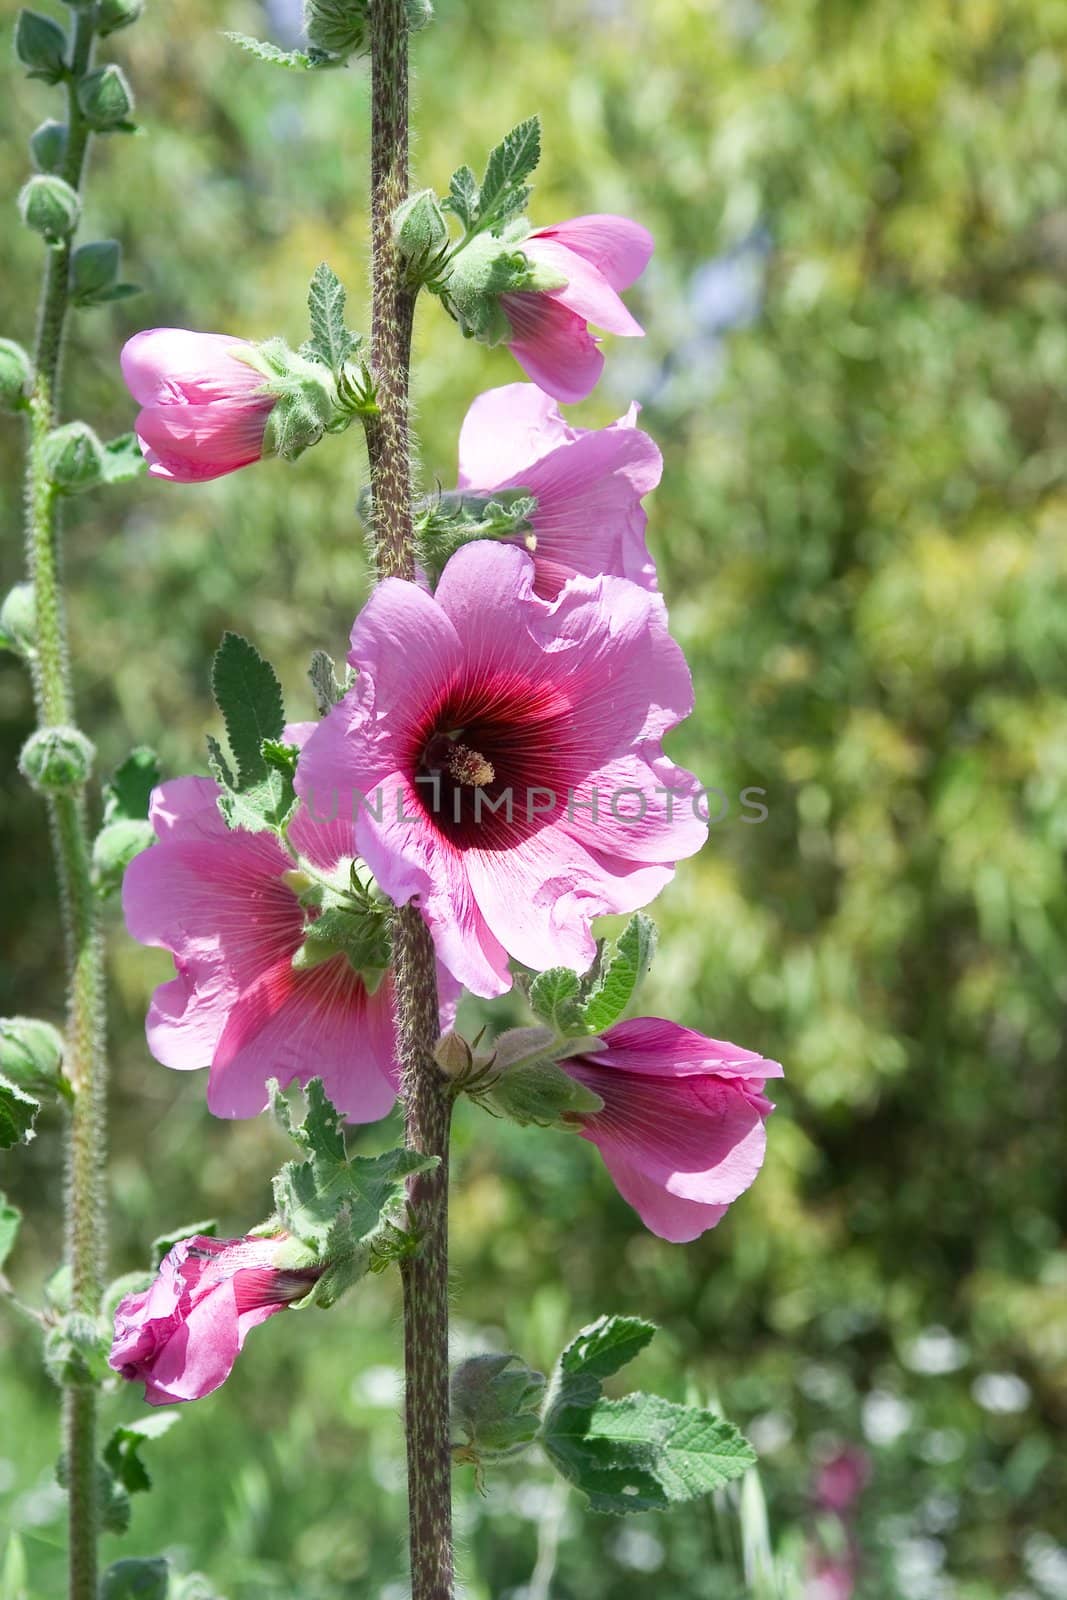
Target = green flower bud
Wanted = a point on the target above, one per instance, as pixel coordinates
(41, 46)
(18, 620)
(421, 232)
(31, 1054)
(420, 14)
(116, 14)
(106, 98)
(495, 1404)
(56, 760)
(48, 146)
(115, 847)
(49, 206)
(93, 267)
(74, 457)
(337, 26)
(15, 374)
(454, 1055)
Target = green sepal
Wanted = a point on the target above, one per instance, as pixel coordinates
(478, 274)
(495, 1405)
(10, 1218)
(41, 47)
(336, 1206)
(541, 1094)
(336, 27)
(135, 1578)
(641, 1453)
(122, 1452)
(444, 523)
(18, 1113)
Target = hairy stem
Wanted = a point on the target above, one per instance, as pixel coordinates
(84, 1056)
(427, 1102)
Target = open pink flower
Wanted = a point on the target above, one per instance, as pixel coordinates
(588, 483)
(181, 1337)
(682, 1128)
(201, 414)
(598, 256)
(220, 901)
(500, 759)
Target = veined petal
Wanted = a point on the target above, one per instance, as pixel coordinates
(553, 346)
(619, 248)
(587, 292)
(176, 366)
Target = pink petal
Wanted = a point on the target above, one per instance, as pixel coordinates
(618, 248)
(505, 431)
(175, 366)
(553, 346)
(655, 1047)
(194, 443)
(666, 1215)
(587, 292)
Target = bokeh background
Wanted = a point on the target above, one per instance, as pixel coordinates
(855, 366)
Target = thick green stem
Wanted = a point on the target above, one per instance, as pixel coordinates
(427, 1102)
(84, 1057)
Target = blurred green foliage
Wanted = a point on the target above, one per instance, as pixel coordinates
(855, 365)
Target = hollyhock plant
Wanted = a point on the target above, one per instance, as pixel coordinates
(225, 903)
(596, 257)
(182, 1336)
(500, 759)
(588, 483)
(203, 410)
(682, 1126)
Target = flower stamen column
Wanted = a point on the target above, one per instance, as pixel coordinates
(425, 1091)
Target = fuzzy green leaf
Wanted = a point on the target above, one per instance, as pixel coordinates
(18, 1113)
(330, 342)
(555, 996)
(249, 696)
(463, 195)
(263, 50)
(604, 1346)
(620, 974)
(503, 193)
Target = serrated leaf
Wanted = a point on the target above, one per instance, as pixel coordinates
(10, 1217)
(166, 1241)
(463, 195)
(510, 162)
(620, 974)
(18, 1113)
(643, 1453)
(330, 342)
(263, 50)
(122, 1451)
(135, 1578)
(606, 1345)
(129, 789)
(249, 696)
(555, 996)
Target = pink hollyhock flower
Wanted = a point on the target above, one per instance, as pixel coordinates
(588, 483)
(831, 1579)
(203, 411)
(682, 1128)
(840, 1481)
(181, 1337)
(501, 759)
(598, 256)
(220, 901)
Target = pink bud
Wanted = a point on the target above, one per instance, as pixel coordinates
(203, 414)
(181, 1337)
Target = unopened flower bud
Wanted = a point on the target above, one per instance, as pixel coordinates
(115, 847)
(56, 760)
(420, 14)
(31, 1053)
(116, 14)
(106, 98)
(337, 26)
(453, 1055)
(49, 206)
(93, 267)
(18, 620)
(74, 457)
(15, 374)
(48, 146)
(41, 46)
(421, 231)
